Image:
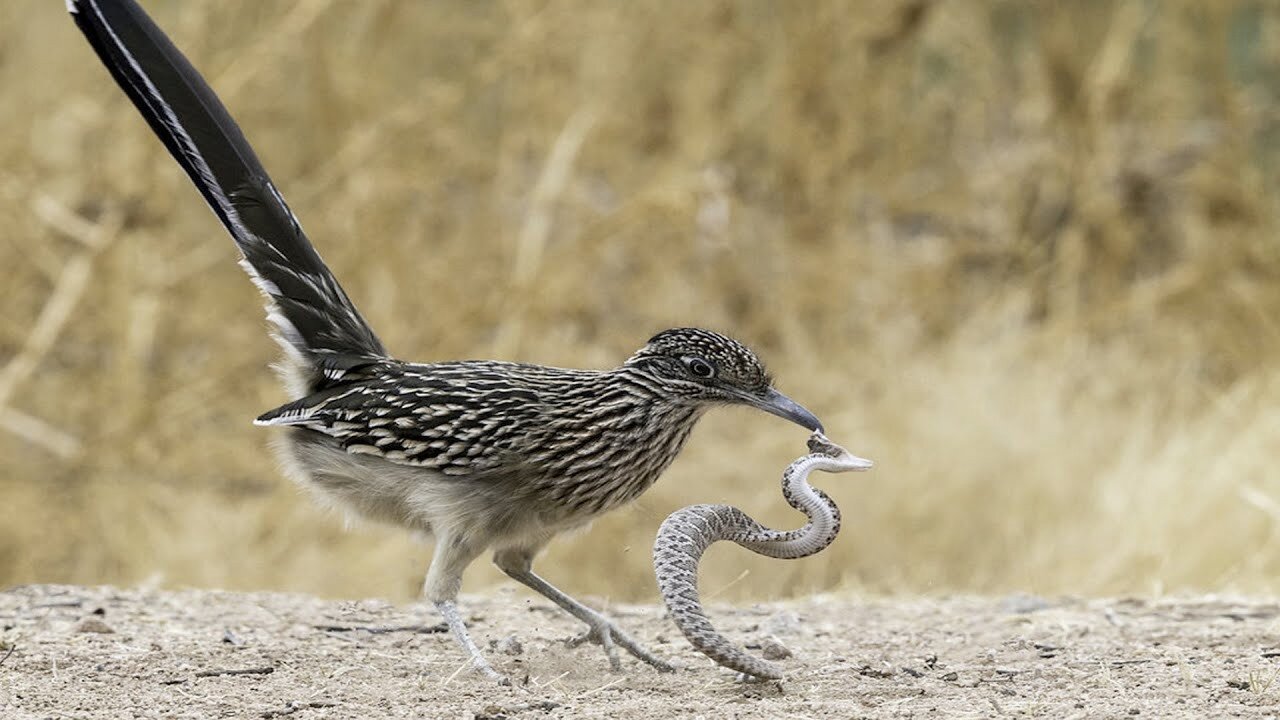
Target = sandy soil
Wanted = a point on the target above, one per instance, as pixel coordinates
(105, 652)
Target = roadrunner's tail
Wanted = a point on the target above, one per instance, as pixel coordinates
(322, 333)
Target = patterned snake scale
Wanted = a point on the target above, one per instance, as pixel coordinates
(689, 531)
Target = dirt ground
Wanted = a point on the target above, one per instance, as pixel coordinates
(102, 652)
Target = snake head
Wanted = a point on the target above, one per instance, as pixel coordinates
(820, 445)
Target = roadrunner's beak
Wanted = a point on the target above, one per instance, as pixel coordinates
(778, 404)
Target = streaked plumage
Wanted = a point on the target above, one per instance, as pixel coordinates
(478, 454)
(563, 440)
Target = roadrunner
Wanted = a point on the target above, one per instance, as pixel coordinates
(477, 454)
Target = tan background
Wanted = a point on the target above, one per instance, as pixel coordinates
(1025, 258)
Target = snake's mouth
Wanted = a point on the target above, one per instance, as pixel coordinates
(776, 403)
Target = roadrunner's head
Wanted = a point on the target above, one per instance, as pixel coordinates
(705, 367)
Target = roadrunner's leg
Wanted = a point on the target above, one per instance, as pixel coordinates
(444, 579)
(518, 564)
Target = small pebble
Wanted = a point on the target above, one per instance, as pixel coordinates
(93, 625)
(772, 649)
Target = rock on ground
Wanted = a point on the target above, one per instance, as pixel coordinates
(101, 652)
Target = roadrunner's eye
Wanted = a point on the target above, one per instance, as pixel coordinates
(700, 368)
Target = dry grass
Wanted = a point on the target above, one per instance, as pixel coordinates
(1023, 257)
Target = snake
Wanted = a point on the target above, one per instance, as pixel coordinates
(687, 533)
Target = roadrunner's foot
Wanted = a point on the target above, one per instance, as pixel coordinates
(609, 636)
(449, 611)
(487, 670)
(517, 563)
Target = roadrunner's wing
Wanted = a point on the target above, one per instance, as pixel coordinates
(462, 418)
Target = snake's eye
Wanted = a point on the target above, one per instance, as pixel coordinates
(700, 368)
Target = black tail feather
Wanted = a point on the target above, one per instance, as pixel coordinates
(316, 322)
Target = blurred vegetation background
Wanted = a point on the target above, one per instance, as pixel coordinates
(1023, 255)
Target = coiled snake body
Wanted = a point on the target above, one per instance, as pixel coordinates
(689, 531)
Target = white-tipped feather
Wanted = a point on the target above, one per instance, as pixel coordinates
(189, 149)
(287, 334)
(297, 370)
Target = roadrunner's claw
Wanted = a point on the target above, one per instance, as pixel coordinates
(640, 653)
(602, 635)
(610, 637)
(487, 670)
